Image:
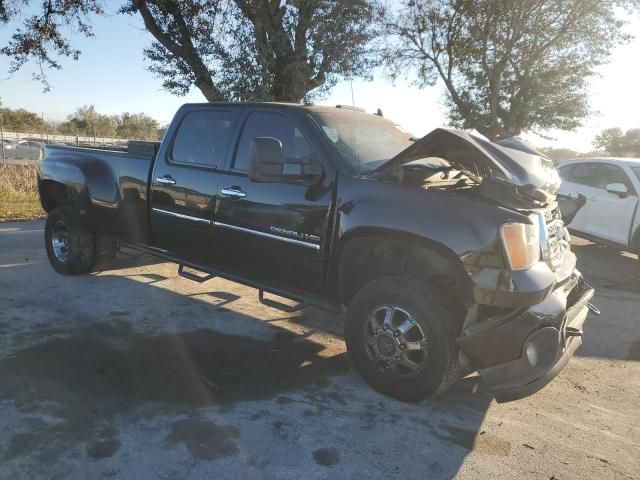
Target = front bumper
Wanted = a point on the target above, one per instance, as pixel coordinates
(552, 328)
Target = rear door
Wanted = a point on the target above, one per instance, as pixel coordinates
(184, 181)
(273, 232)
(610, 215)
(579, 178)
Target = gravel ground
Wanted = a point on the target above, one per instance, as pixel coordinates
(136, 373)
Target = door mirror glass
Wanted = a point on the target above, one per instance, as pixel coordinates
(619, 189)
(267, 164)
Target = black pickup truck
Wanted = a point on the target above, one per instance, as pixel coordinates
(449, 252)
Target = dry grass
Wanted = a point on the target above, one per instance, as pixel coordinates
(19, 192)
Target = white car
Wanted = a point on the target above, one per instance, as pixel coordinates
(612, 188)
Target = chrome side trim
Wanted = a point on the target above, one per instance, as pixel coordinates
(315, 246)
(184, 217)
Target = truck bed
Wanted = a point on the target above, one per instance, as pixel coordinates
(111, 185)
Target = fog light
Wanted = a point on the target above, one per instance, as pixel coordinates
(532, 353)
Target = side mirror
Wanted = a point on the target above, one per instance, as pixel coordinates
(619, 189)
(268, 165)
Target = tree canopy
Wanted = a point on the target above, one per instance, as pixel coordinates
(87, 121)
(508, 65)
(41, 35)
(21, 120)
(619, 143)
(230, 50)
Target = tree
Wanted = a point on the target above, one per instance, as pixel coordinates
(508, 65)
(136, 126)
(618, 143)
(87, 121)
(41, 37)
(229, 49)
(21, 120)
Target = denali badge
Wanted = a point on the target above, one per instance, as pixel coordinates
(293, 233)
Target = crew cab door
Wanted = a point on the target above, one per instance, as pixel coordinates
(273, 233)
(610, 215)
(184, 181)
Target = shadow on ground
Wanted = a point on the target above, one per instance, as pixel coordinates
(605, 266)
(73, 389)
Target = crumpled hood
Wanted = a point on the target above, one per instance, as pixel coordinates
(512, 172)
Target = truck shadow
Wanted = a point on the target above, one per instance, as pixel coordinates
(75, 387)
(612, 272)
(605, 266)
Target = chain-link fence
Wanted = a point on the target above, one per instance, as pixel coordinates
(16, 147)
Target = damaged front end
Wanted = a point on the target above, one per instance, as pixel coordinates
(526, 318)
(518, 352)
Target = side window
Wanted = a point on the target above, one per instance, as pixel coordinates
(612, 174)
(585, 174)
(565, 171)
(203, 138)
(269, 124)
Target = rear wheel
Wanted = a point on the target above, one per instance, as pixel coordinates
(71, 248)
(401, 339)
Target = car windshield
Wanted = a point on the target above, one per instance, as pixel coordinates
(636, 170)
(363, 141)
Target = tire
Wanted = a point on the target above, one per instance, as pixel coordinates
(416, 357)
(69, 246)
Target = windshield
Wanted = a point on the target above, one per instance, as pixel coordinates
(363, 141)
(636, 170)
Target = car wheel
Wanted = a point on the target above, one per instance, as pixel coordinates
(69, 246)
(401, 339)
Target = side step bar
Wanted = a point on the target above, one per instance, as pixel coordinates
(279, 305)
(315, 301)
(265, 301)
(192, 276)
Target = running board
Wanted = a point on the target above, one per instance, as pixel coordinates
(279, 305)
(192, 276)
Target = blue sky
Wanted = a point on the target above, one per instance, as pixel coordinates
(111, 75)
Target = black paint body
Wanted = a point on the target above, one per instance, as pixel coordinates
(307, 227)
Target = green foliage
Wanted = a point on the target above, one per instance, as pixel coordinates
(229, 49)
(136, 126)
(42, 36)
(508, 65)
(618, 143)
(86, 121)
(21, 120)
(258, 49)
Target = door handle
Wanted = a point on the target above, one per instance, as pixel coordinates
(166, 180)
(234, 192)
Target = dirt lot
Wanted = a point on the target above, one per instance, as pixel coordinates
(136, 373)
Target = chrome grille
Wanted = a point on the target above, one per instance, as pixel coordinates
(556, 241)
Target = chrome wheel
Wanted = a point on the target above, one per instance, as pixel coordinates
(60, 242)
(395, 342)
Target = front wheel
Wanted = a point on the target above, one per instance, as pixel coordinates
(401, 339)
